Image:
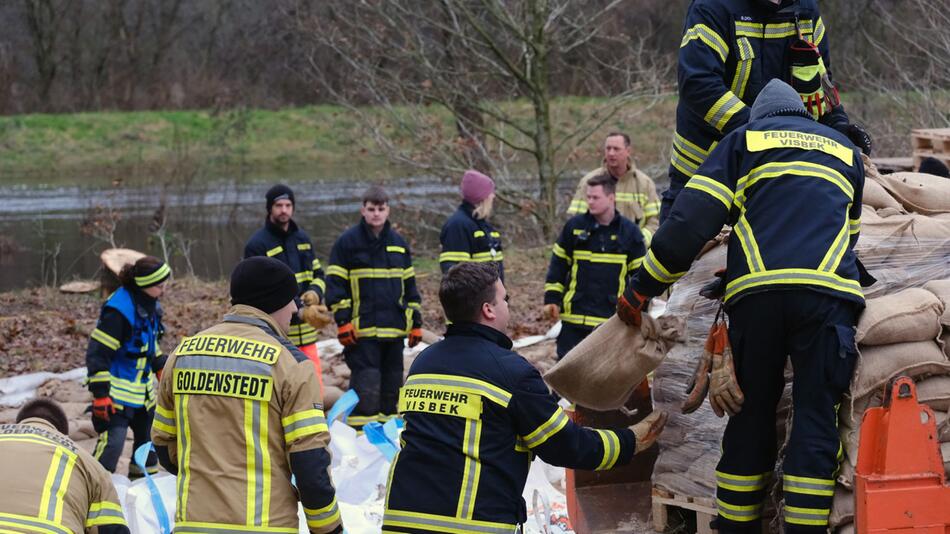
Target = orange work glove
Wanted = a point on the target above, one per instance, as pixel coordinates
(346, 334)
(648, 430)
(725, 396)
(415, 336)
(158, 374)
(551, 311)
(698, 385)
(310, 298)
(631, 311)
(316, 315)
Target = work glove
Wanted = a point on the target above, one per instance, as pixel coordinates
(648, 430)
(551, 311)
(716, 289)
(102, 411)
(632, 312)
(698, 384)
(316, 315)
(158, 374)
(859, 136)
(310, 298)
(415, 336)
(346, 334)
(725, 396)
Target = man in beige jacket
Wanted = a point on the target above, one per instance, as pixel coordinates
(636, 193)
(240, 411)
(51, 485)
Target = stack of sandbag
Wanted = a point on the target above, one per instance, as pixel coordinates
(898, 334)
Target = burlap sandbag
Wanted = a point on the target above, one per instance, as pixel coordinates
(941, 289)
(846, 529)
(918, 192)
(909, 315)
(935, 392)
(602, 371)
(874, 193)
(878, 364)
(842, 507)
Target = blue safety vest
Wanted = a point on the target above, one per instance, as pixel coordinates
(131, 381)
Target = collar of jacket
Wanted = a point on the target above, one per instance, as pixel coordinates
(467, 207)
(787, 112)
(254, 313)
(39, 422)
(592, 221)
(770, 6)
(631, 169)
(369, 231)
(479, 330)
(142, 300)
(277, 230)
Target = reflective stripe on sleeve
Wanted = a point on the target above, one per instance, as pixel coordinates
(105, 339)
(302, 424)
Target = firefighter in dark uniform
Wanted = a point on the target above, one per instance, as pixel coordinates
(476, 414)
(123, 360)
(729, 51)
(282, 239)
(371, 289)
(590, 263)
(467, 235)
(791, 189)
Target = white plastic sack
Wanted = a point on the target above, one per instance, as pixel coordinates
(359, 469)
(547, 505)
(140, 511)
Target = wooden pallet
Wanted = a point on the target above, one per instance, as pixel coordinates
(932, 143)
(663, 500)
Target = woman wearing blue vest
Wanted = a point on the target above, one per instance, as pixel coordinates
(122, 357)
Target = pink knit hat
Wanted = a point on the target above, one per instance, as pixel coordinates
(476, 187)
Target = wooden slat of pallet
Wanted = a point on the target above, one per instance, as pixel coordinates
(936, 140)
(704, 508)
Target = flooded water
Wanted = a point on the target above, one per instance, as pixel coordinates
(41, 241)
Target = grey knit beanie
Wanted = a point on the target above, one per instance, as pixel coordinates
(776, 97)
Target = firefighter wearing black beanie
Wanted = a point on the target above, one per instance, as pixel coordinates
(264, 283)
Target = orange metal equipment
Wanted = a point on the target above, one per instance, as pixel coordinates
(900, 486)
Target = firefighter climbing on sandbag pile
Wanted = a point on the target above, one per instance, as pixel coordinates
(791, 188)
(282, 239)
(240, 411)
(730, 50)
(124, 359)
(476, 414)
(589, 264)
(52, 484)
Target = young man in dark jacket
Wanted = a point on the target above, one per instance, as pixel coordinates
(371, 289)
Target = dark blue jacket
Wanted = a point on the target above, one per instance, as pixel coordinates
(371, 282)
(589, 267)
(791, 188)
(465, 238)
(729, 51)
(295, 249)
(476, 413)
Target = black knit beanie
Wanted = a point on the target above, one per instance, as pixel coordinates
(279, 192)
(935, 167)
(264, 283)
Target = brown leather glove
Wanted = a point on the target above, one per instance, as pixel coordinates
(310, 298)
(316, 315)
(346, 334)
(415, 336)
(551, 311)
(649, 429)
(631, 311)
(725, 396)
(698, 385)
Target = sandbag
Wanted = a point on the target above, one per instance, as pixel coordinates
(878, 364)
(877, 197)
(602, 371)
(935, 392)
(331, 394)
(846, 529)
(918, 192)
(842, 507)
(909, 315)
(941, 289)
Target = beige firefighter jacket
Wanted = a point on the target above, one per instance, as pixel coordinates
(636, 199)
(233, 404)
(52, 486)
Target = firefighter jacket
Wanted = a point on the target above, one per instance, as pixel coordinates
(372, 283)
(636, 199)
(239, 411)
(729, 51)
(589, 267)
(124, 349)
(53, 486)
(791, 190)
(476, 413)
(295, 249)
(465, 238)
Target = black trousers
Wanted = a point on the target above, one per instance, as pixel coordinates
(569, 337)
(817, 332)
(110, 444)
(375, 374)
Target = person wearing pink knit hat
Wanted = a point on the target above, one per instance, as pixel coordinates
(467, 234)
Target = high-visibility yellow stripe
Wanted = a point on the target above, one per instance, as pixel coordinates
(275, 251)
(322, 517)
(749, 246)
(793, 277)
(315, 265)
(600, 257)
(473, 468)
(583, 320)
(184, 455)
(559, 251)
(837, 249)
(444, 524)
(105, 339)
(713, 188)
(819, 31)
(577, 206)
(394, 248)
(471, 385)
(723, 110)
(742, 483)
(854, 226)
(759, 141)
(162, 272)
(304, 246)
(557, 287)
(821, 487)
(796, 168)
(304, 423)
(17, 523)
(707, 35)
(101, 376)
(656, 269)
(336, 270)
(611, 444)
(739, 513)
(547, 429)
(806, 516)
(104, 513)
(455, 256)
(197, 527)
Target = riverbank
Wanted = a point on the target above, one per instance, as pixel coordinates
(42, 329)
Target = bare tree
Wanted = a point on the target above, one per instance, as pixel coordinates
(490, 65)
